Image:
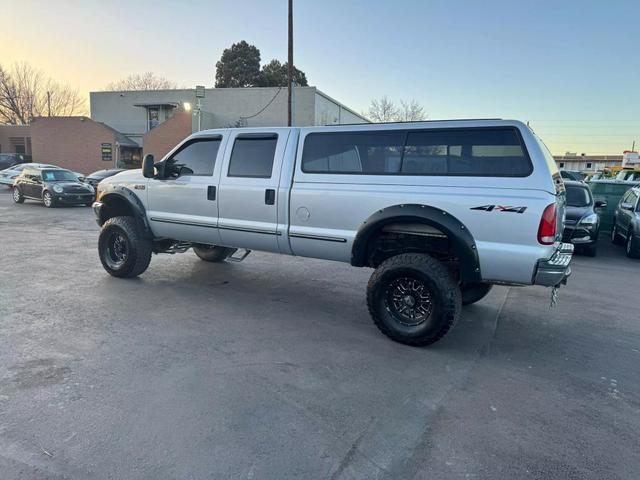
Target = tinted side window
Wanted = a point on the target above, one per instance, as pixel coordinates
(252, 156)
(195, 158)
(367, 153)
(470, 152)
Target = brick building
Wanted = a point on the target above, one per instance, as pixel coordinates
(81, 144)
(161, 139)
(15, 139)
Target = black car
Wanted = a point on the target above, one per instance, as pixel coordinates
(626, 222)
(582, 223)
(95, 178)
(10, 159)
(52, 186)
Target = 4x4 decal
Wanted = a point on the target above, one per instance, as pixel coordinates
(500, 208)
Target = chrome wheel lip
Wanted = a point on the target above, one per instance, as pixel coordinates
(408, 300)
(629, 241)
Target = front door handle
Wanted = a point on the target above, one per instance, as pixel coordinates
(270, 196)
(211, 192)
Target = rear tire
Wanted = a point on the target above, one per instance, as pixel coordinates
(125, 250)
(17, 195)
(474, 292)
(632, 246)
(413, 299)
(615, 236)
(212, 253)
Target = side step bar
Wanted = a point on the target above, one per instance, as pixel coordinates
(238, 257)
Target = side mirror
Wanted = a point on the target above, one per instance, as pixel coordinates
(626, 206)
(148, 166)
(600, 204)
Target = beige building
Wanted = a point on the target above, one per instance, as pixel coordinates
(587, 163)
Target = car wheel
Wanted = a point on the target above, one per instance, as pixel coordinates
(17, 195)
(125, 250)
(615, 236)
(47, 199)
(212, 253)
(474, 292)
(591, 250)
(413, 299)
(632, 247)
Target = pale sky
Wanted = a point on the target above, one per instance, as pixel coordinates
(571, 68)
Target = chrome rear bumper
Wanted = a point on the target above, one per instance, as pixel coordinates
(555, 270)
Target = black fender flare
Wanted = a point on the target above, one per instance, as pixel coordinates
(123, 193)
(464, 245)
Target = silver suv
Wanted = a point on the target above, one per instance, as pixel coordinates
(441, 210)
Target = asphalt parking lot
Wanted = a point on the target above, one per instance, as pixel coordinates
(271, 368)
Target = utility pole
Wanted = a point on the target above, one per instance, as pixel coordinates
(49, 103)
(290, 65)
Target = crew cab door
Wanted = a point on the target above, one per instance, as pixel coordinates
(184, 206)
(248, 201)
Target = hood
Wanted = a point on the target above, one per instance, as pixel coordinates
(576, 213)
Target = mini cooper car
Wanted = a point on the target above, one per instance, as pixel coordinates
(52, 186)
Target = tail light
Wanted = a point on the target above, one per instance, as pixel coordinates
(548, 225)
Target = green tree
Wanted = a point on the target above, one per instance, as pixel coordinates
(239, 66)
(274, 74)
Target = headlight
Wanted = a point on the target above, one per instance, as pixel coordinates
(591, 219)
(57, 189)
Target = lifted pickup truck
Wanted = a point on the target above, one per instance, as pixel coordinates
(441, 210)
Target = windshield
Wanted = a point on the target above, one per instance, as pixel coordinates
(578, 196)
(58, 175)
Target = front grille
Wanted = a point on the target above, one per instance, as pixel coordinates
(75, 189)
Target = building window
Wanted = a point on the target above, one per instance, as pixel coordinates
(561, 164)
(589, 166)
(154, 117)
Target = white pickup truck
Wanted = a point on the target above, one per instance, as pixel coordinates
(441, 210)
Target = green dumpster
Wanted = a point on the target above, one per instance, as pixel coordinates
(610, 191)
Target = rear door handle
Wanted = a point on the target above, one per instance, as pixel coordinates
(211, 192)
(270, 196)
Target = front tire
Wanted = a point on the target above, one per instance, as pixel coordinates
(413, 299)
(47, 199)
(17, 195)
(474, 292)
(125, 250)
(632, 247)
(212, 253)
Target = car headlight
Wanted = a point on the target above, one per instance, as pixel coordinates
(57, 189)
(590, 219)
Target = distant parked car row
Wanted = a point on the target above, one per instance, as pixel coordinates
(51, 184)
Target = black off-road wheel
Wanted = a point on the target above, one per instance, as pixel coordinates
(474, 292)
(212, 253)
(125, 250)
(17, 195)
(413, 299)
(633, 246)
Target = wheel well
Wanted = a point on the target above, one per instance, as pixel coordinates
(410, 237)
(115, 206)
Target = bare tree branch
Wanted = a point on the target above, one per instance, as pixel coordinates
(24, 91)
(144, 81)
(385, 110)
